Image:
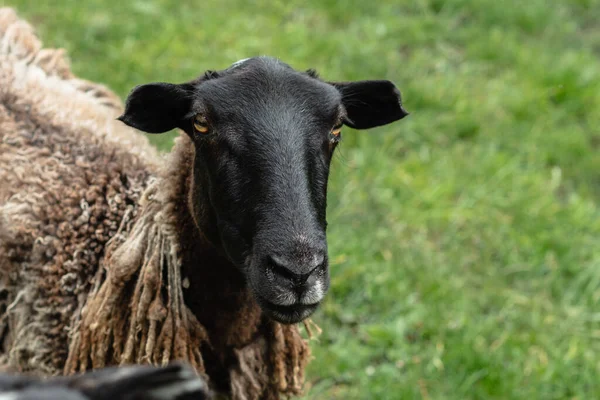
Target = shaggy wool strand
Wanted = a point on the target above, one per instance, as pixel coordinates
(91, 254)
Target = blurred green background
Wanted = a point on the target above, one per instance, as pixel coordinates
(465, 239)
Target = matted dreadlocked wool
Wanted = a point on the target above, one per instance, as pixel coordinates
(96, 248)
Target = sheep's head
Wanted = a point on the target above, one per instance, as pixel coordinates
(264, 135)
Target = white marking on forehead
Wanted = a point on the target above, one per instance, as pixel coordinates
(239, 62)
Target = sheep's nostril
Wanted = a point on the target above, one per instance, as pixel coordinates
(297, 275)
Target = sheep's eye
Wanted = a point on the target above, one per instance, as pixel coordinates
(336, 133)
(200, 124)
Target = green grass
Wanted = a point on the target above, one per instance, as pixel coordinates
(465, 240)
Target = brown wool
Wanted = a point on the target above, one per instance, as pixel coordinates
(97, 248)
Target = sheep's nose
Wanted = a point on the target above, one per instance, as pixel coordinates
(299, 275)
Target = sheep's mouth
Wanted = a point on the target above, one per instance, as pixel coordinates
(287, 314)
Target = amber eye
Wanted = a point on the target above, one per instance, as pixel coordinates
(336, 133)
(200, 124)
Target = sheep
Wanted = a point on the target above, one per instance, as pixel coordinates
(173, 382)
(111, 254)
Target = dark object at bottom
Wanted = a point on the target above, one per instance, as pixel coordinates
(173, 382)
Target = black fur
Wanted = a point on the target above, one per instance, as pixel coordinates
(260, 172)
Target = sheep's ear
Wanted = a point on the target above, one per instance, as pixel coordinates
(157, 107)
(370, 103)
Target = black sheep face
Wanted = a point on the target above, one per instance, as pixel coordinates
(264, 135)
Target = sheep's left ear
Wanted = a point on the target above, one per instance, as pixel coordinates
(370, 103)
(157, 107)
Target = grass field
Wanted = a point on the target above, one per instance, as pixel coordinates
(465, 240)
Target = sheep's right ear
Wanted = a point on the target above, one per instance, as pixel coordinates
(157, 107)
